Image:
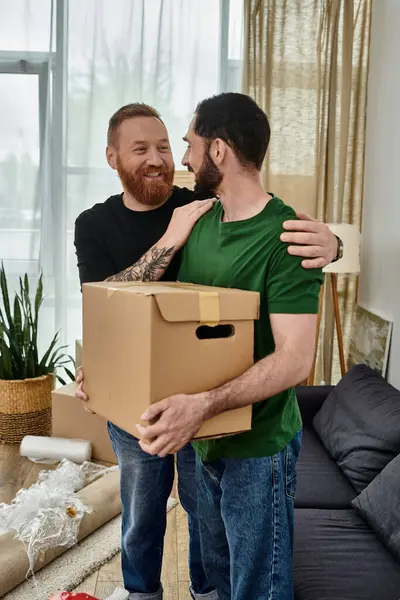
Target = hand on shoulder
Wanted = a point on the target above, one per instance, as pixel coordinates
(311, 239)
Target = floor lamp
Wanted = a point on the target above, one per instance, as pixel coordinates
(348, 264)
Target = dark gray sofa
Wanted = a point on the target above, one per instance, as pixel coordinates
(347, 507)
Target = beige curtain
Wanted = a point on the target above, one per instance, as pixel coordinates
(306, 64)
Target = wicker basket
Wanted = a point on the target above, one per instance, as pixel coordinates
(25, 408)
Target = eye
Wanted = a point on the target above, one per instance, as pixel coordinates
(140, 149)
(164, 148)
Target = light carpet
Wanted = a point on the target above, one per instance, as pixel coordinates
(76, 564)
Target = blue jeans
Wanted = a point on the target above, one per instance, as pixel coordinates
(246, 510)
(146, 483)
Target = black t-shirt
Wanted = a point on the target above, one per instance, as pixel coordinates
(109, 237)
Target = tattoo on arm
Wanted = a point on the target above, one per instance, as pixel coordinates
(150, 267)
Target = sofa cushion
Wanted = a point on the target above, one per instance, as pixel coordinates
(359, 424)
(338, 557)
(320, 482)
(378, 504)
(310, 398)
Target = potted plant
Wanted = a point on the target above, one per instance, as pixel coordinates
(26, 381)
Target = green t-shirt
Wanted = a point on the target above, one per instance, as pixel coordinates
(249, 255)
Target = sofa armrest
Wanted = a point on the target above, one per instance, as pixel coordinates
(310, 399)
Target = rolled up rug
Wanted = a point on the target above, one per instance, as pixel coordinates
(102, 496)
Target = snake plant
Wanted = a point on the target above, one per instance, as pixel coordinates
(19, 319)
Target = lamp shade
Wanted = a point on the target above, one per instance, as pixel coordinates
(351, 238)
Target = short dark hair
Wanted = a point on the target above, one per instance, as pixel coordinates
(129, 111)
(239, 121)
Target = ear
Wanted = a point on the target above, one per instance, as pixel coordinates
(111, 156)
(218, 151)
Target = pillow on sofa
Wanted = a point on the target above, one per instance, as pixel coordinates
(378, 505)
(359, 425)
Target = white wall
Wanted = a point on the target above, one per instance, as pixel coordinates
(380, 267)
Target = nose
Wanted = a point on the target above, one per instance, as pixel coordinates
(185, 160)
(154, 159)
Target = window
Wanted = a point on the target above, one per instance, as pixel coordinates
(23, 96)
(65, 67)
(25, 25)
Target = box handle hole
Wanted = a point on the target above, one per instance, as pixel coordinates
(204, 332)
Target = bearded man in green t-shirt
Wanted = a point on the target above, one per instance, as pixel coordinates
(246, 482)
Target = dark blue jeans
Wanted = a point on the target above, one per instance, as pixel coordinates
(246, 509)
(146, 483)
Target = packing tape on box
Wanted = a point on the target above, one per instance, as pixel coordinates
(209, 308)
(208, 302)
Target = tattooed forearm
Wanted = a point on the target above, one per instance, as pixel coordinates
(150, 267)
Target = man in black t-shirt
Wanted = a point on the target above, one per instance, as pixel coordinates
(137, 236)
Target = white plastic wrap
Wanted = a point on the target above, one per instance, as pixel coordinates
(52, 449)
(48, 514)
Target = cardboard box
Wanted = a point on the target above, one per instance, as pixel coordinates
(78, 353)
(71, 420)
(145, 342)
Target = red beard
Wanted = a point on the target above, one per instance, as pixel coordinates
(144, 190)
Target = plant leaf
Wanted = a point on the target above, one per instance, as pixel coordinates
(6, 361)
(31, 370)
(19, 334)
(46, 355)
(4, 324)
(72, 359)
(26, 283)
(38, 298)
(57, 356)
(5, 295)
(70, 374)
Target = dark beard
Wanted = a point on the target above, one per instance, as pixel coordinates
(149, 193)
(208, 179)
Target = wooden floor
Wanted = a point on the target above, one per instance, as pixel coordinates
(17, 472)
